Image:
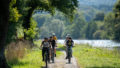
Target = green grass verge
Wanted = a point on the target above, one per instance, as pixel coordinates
(61, 46)
(92, 57)
(33, 59)
(37, 43)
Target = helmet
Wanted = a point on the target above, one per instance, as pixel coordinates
(53, 34)
(68, 35)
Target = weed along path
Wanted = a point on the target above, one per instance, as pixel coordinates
(61, 62)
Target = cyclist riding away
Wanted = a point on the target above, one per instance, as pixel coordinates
(45, 44)
(54, 42)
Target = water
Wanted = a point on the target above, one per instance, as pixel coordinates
(95, 43)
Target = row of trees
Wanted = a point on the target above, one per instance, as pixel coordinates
(78, 29)
(16, 19)
(102, 26)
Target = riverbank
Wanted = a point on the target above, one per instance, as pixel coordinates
(94, 57)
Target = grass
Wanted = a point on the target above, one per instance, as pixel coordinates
(32, 58)
(93, 57)
(87, 57)
(61, 46)
(37, 43)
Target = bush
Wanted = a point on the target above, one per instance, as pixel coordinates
(16, 50)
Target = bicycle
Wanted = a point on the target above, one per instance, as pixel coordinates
(53, 55)
(69, 54)
(46, 57)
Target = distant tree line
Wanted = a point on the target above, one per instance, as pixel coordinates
(102, 26)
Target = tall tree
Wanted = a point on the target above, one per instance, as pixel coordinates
(4, 18)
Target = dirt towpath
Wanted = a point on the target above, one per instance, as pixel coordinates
(61, 62)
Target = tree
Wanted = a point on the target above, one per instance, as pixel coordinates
(4, 18)
(52, 26)
(99, 16)
(90, 29)
(67, 7)
(76, 29)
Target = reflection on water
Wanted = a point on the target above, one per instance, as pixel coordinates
(96, 43)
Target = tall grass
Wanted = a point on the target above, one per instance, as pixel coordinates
(16, 50)
(93, 57)
(33, 59)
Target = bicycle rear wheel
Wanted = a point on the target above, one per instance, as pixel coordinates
(69, 56)
(46, 59)
(69, 60)
(53, 56)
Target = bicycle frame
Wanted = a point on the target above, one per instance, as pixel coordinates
(69, 54)
(53, 55)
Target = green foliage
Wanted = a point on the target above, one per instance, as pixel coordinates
(32, 31)
(113, 26)
(99, 16)
(20, 32)
(21, 12)
(90, 29)
(13, 19)
(14, 16)
(60, 25)
(78, 29)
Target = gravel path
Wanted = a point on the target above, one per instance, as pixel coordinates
(61, 62)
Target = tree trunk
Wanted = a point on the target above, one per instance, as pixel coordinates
(27, 19)
(4, 18)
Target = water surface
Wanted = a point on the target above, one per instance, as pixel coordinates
(96, 43)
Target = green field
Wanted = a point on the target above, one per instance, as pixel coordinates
(93, 57)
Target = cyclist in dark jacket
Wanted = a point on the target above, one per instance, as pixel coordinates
(53, 43)
(69, 43)
(45, 44)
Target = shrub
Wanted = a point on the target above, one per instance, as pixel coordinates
(16, 50)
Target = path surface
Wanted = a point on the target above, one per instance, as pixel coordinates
(61, 62)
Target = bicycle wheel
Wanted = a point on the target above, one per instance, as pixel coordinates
(53, 55)
(46, 59)
(69, 56)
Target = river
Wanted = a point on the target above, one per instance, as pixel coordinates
(95, 43)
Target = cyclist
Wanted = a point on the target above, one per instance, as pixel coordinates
(69, 43)
(67, 37)
(65, 43)
(45, 44)
(54, 38)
